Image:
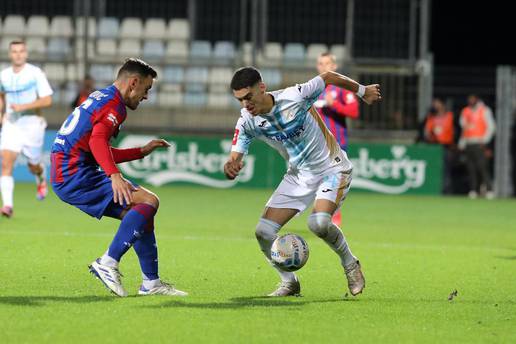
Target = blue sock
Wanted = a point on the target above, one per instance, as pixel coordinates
(131, 229)
(147, 252)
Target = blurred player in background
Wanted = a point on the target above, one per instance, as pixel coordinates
(336, 105)
(24, 91)
(81, 146)
(319, 171)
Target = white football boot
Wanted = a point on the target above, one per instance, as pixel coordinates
(163, 288)
(356, 280)
(109, 276)
(287, 289)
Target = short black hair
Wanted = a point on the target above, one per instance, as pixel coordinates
(245, 77)
(136, 66)
(16, 41)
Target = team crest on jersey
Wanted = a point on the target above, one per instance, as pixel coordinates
(113, 119)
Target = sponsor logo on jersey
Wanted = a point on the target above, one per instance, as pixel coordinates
(296, 132)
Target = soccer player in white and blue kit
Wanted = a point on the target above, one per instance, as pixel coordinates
(319, 171)
(24, 91)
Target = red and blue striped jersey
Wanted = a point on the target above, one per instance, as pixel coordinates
(345, 104)
(71, 150)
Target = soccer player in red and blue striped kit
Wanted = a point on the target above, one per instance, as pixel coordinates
(335, 106)
(84, 174)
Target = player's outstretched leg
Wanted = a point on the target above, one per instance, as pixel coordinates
(320, 224)
(147, 251)
(266, 233)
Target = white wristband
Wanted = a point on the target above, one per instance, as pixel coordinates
(361, 91)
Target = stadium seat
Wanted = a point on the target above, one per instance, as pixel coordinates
(197, 75)
(36, 46)
(79, 49)
(200, 50)
(131, 28)
(56, 92)
(294, 54)
(177, 51)
(170, 99)
(219, 88)
(153, 50)
(55, 72)
(74, 72)
(58, 49)
(178, 29)
(106, 47)
(217, 100)
(129, 48)
(69, 93)
(14, 25)
(79, 27)
(272, 77)
(102, 73)
(4, 44)
(37, 26)
(61, 26)
(314, 50)
(271, 55)
(220, 75)
(173, 75)
(246, 51)
(340, 51)
(195, 99)
(155, 28)
(224, 52)
(108, 27)
(170, 88)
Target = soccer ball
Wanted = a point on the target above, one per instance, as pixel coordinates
(289, 252)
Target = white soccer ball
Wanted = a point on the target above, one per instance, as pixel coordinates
(289, 252)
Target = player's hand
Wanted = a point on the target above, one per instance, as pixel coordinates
(122, 190)
(232, 168)
(17, 107)
(152, 145)
(372, 94)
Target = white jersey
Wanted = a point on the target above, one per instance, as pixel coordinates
(23, 87)
(294, 128)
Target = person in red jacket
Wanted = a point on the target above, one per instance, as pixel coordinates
(439, 128)
(335, 105)
(478, 128)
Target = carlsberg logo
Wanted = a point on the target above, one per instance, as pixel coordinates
(371, 174)
(191, 165)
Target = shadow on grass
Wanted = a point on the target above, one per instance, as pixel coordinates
(36, 301)
(247, 302)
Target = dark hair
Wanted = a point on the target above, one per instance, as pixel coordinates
(16, 41)
(245, 77)
(136, 66)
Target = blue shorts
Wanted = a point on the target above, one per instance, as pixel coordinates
(89, 190)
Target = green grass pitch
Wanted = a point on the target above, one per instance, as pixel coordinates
(415, 251)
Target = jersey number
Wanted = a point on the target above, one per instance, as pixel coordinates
(71, 122)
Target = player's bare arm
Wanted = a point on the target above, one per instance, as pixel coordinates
(234, 164)
(369, 93)
(39, 103)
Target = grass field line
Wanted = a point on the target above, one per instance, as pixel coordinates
(385, 245)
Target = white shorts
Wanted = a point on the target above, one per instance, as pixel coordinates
(25, 136)
(298, 192)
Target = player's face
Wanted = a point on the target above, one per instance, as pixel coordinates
(139, 90)
(18, 54)
(326, 64)
(252, 98)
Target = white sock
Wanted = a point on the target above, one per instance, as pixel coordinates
(321, 225)
(266, 234)
(7, 188)
(149, 284)
(108, 261)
